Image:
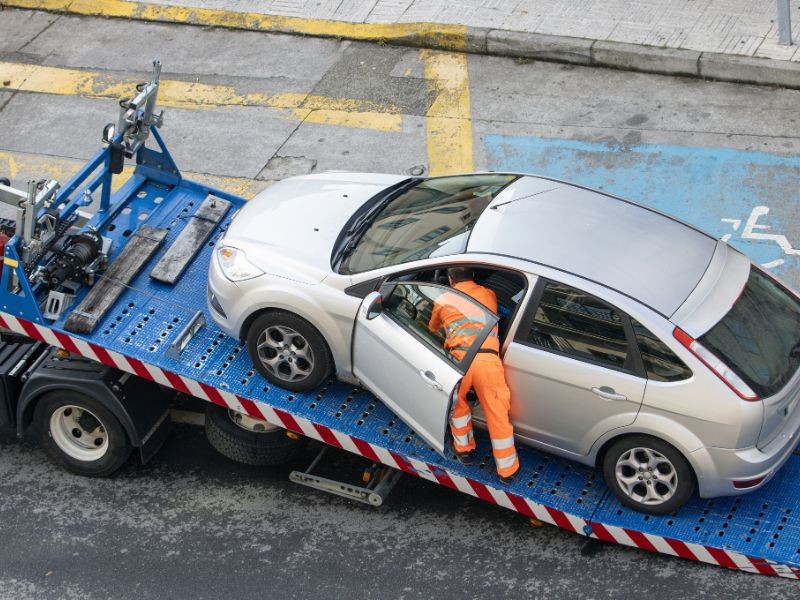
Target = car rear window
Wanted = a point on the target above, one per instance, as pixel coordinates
(759, 337)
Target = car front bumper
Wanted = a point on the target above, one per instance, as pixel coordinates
(222, 295)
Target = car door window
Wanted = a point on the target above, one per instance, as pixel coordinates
(418, 307)
(577, 324)
(660, 362)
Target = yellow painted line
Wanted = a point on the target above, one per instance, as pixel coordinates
(450, 37)
(449, 119)
(344, 112)
(37, 166)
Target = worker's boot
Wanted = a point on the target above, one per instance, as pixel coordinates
(508, 478)
(465, 458)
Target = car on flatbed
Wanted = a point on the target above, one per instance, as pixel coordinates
(631, 341)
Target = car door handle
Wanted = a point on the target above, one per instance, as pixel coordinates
(608, 393)
(430, 379)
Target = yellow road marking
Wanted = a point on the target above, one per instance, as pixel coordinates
(452, 37)
(449, 119)
(344, 112)
(37, 166)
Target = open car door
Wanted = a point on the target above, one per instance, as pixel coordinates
(404, 363)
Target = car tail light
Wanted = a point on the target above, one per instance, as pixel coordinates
(719, 368)
(743, 484)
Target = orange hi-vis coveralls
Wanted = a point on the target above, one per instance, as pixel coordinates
(485, 374)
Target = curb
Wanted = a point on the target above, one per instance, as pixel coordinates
(436, 36)
(638, 58)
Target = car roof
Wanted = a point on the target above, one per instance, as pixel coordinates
(637, 251)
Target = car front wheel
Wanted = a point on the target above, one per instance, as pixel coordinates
(648, 474)
(289, 351)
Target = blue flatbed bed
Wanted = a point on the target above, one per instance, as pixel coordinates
(757, 532)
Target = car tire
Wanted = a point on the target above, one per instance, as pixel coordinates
(648, 474)
(244, 442)
(80, 434)
(289, 351)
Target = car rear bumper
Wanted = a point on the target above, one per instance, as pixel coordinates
(729, 472)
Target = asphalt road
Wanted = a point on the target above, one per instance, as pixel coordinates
(193, 524)
(244, 109)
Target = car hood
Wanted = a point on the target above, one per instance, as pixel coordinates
(289, 229)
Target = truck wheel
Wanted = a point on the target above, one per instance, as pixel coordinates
(80, 434)
(249, 441)
(289, 351)
(648, 474)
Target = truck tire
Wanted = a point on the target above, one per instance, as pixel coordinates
(80, 434)
(249, 441)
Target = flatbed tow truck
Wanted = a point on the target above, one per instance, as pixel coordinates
(100, 288)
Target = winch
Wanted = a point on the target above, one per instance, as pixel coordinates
(75, 261)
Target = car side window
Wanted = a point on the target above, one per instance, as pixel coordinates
(580, 325)
(427, 311)
(660, 362)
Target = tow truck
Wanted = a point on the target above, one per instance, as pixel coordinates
(104, 312)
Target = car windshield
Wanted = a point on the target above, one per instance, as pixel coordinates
(759, 338)
(433, 218)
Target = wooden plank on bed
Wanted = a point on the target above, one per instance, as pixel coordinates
(143, 243)
(190, 240)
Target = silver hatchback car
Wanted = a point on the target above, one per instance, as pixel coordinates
(631, 341)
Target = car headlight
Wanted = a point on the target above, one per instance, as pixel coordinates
(234, 264)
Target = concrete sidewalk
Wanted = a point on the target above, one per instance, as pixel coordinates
(733, 40)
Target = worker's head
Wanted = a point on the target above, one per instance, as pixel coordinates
(457, 274)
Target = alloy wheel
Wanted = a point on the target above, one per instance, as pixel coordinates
(646, 476)
(285, 353)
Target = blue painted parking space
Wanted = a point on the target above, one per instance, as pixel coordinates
(748, 198)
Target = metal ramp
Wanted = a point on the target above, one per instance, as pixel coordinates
(759, 532)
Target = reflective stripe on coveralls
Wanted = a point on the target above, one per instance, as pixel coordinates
(461, 428)
(486, 375)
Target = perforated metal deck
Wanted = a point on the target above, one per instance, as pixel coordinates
(759, 532)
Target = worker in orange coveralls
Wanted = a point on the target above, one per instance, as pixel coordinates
(485, 374)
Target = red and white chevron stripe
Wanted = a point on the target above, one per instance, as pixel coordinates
(617, 535)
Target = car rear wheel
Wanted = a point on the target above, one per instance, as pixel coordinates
(648, 474)
(289, 351)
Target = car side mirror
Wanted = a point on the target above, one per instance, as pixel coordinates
(373, 305)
